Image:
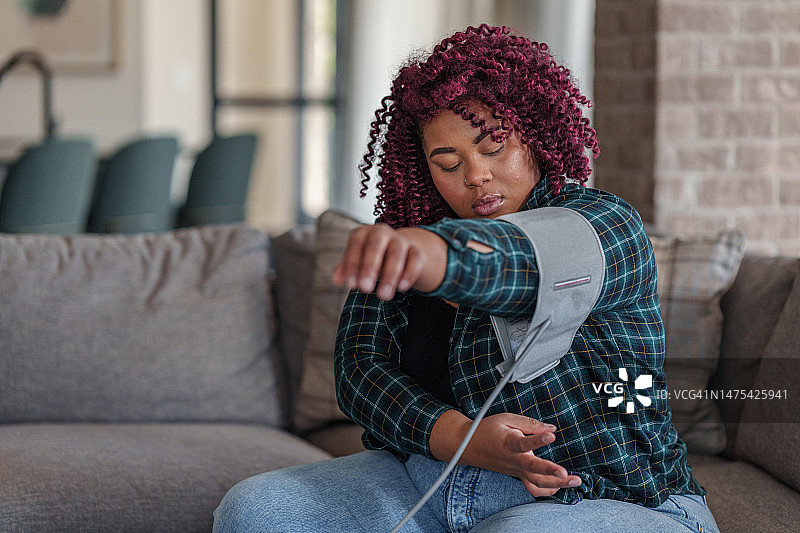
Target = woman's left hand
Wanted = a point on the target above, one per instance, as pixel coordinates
(382, 259)
(505, 443)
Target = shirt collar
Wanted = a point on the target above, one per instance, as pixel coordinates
(538, 194)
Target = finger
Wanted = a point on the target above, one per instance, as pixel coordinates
(548, 482)
(372, 258)
(532, 426)
(338, 276)
(347, 269)
(394, 263)
(402, 274)
(528, 443)
(536, 491)
(538, 466)
(527, 424)
(554, 482)
(412, 271)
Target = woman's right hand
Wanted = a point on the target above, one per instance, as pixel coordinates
(382, 259)
(503, 443)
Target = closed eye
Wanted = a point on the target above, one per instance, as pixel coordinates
(497, 151)
(453, 168)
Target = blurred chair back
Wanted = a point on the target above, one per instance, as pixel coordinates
(219, 182)
(48, 189)
(132, 192)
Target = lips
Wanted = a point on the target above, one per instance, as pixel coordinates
(487, 205)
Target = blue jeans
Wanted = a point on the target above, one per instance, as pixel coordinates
(372, 491)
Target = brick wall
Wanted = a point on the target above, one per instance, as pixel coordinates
(624, 111)
(719, 132)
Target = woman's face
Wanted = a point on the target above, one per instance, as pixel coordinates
(476, 176)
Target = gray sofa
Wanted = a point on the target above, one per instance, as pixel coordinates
(139, 379)
(754, 483)
(142, 376)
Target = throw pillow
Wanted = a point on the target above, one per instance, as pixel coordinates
(751, 308)
(693, 274)
(315, 405)
(770, 419)
(294, 275)
(137, 328)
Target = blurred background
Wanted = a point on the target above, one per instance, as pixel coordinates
(697, 103)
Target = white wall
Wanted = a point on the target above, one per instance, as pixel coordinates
(174, 58)
(175, 88)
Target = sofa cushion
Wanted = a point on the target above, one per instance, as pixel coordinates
(744, 498)
(294, 268)
(151, 327)
(316, 404)
(693, 274)
(770, 425)
(751, 308)
(132, 477)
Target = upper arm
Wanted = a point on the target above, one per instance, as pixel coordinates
(371, 388)
(492, 265)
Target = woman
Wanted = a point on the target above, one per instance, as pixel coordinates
(488, 125)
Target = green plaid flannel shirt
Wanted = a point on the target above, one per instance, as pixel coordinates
(636, 457)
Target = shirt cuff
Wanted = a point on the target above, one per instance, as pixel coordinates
(465, 265)
(422, 427)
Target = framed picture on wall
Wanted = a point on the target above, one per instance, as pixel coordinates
(72, 35)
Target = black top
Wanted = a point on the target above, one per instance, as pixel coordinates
(427, 346)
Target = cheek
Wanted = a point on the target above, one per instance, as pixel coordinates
(454, 195)
(449, 190)
(519, 168)
(525, 168)
(444, 186)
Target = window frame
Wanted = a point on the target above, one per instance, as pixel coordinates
(297, 103)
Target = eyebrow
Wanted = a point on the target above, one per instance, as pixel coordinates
(449, 150)
(481, 136)
(445, 150)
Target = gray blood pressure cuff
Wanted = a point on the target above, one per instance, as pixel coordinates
(571, 270)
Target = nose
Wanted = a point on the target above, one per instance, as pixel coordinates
(476, 176)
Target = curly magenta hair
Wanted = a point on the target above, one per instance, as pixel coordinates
(517, 79)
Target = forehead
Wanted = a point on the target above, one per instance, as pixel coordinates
(449, 125)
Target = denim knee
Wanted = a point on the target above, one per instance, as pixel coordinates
(246, 507)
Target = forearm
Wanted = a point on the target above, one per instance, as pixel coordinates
(486, 264)
(387, 404)
(491, 266)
